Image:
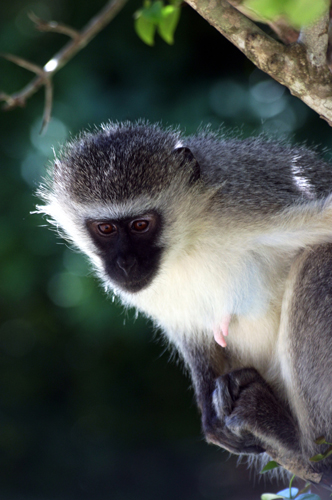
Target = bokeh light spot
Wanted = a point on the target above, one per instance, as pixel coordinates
(65, 289)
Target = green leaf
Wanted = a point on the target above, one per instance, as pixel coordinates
(328, 452)
(320, 440)
(321, 456)
(269, 466)
(317, 458)
(269, 9)
(168, 24)
(303, 12)
(145, 30)
(154, 12)
(297, 12)
(167, 10)
(304, 490)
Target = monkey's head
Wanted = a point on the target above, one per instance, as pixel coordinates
(119, 195)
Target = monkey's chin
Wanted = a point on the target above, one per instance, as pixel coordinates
(133, 286)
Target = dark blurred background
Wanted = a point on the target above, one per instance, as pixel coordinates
(90, 405)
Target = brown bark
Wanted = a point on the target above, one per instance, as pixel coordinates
(302, 66)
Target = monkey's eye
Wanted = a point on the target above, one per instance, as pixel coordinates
(139, 226)
(106, 229)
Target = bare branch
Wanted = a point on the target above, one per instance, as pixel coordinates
(53, 26)
(288, 64)
(46, 80)
(48, 104)
(95, 25)
(45, 74)
(23, 63)
(9, 100)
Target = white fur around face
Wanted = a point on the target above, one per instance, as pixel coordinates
(212, 270)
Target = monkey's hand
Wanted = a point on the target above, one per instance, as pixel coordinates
(247, 406)
(228, 423)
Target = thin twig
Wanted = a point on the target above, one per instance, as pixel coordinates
(53, 26)
(46, 81)
(23, 63)
(48, 104)
(8, 99)
(80, 40)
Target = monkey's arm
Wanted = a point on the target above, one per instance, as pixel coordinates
(248, 406)
(204, 366)
(299, 225)
(241, 413)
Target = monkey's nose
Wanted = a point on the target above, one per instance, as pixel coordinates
(126, 264)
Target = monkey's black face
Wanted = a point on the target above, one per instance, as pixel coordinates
(129, 249)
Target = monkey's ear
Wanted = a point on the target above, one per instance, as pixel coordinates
(188, 158)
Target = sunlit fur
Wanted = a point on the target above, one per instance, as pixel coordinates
(241, 269)
(228, 244)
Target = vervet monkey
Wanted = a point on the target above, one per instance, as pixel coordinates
(226, 245)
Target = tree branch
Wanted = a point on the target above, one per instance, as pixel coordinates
(291, 65)
(53, 26)
(23, 63)
(44, 75)
(315, 38)
(47, 82)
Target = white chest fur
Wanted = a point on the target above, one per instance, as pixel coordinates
(194, 292)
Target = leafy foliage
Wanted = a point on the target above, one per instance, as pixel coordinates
(157, 17)
(325, 454)
(290, 492)
(297, 12)
(269, 466)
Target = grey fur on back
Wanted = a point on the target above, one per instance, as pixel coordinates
(258, 170)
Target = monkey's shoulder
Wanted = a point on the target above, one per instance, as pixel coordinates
(262, 167)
